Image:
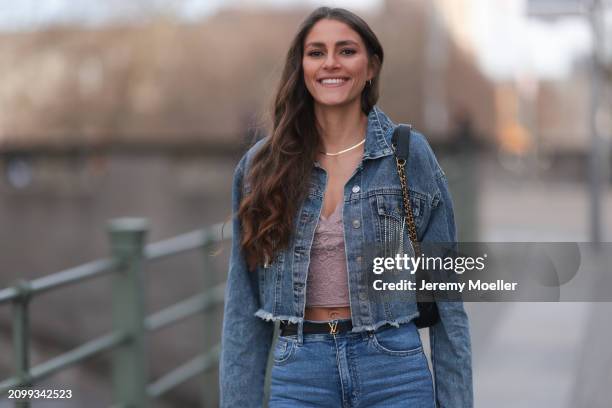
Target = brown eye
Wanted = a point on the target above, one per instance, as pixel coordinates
(348, 51)
(315, 54)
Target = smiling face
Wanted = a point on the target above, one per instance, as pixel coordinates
(335, 63)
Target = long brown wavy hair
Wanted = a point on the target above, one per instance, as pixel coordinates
(280, 171)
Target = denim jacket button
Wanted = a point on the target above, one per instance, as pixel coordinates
(363, 296)
(356, 224)
(356, 189)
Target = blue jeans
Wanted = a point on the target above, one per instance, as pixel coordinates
(383, 368)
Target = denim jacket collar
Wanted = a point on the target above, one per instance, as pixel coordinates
(378, 135)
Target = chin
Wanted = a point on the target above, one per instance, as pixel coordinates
(333, 102)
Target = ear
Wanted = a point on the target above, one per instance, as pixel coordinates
(374, 67)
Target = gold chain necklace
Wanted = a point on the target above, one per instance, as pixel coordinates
(345, 150)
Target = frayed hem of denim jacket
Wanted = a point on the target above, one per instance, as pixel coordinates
(394, 323)
(269, 317)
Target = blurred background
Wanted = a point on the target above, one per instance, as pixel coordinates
(143, 108)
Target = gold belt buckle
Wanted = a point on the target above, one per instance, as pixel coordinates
(333, 327)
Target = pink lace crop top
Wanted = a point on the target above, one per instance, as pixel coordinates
(327, 283)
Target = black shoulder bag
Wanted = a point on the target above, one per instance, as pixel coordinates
(428, 310)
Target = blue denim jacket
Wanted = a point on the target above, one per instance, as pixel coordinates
(372, 202)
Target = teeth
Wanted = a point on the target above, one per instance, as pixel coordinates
(333, 81)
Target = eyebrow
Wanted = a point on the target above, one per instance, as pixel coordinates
(338, 43)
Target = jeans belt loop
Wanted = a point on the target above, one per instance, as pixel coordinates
(300, 332)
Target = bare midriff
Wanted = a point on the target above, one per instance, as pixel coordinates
(327, 313)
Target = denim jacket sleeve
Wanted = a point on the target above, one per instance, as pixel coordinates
(245, 338)
(449, 338)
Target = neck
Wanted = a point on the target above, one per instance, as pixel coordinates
(340, 127)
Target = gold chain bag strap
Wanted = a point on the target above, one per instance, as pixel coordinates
(428, 310)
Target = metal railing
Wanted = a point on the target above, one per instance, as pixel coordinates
(130, 322)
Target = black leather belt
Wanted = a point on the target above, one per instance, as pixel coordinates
(332, 327)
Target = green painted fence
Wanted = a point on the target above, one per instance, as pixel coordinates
(126, 342)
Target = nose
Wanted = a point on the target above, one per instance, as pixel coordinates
(330, 61)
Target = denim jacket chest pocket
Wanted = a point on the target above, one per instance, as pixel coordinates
(388, 213)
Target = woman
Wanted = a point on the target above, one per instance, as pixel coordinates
(313, 202)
